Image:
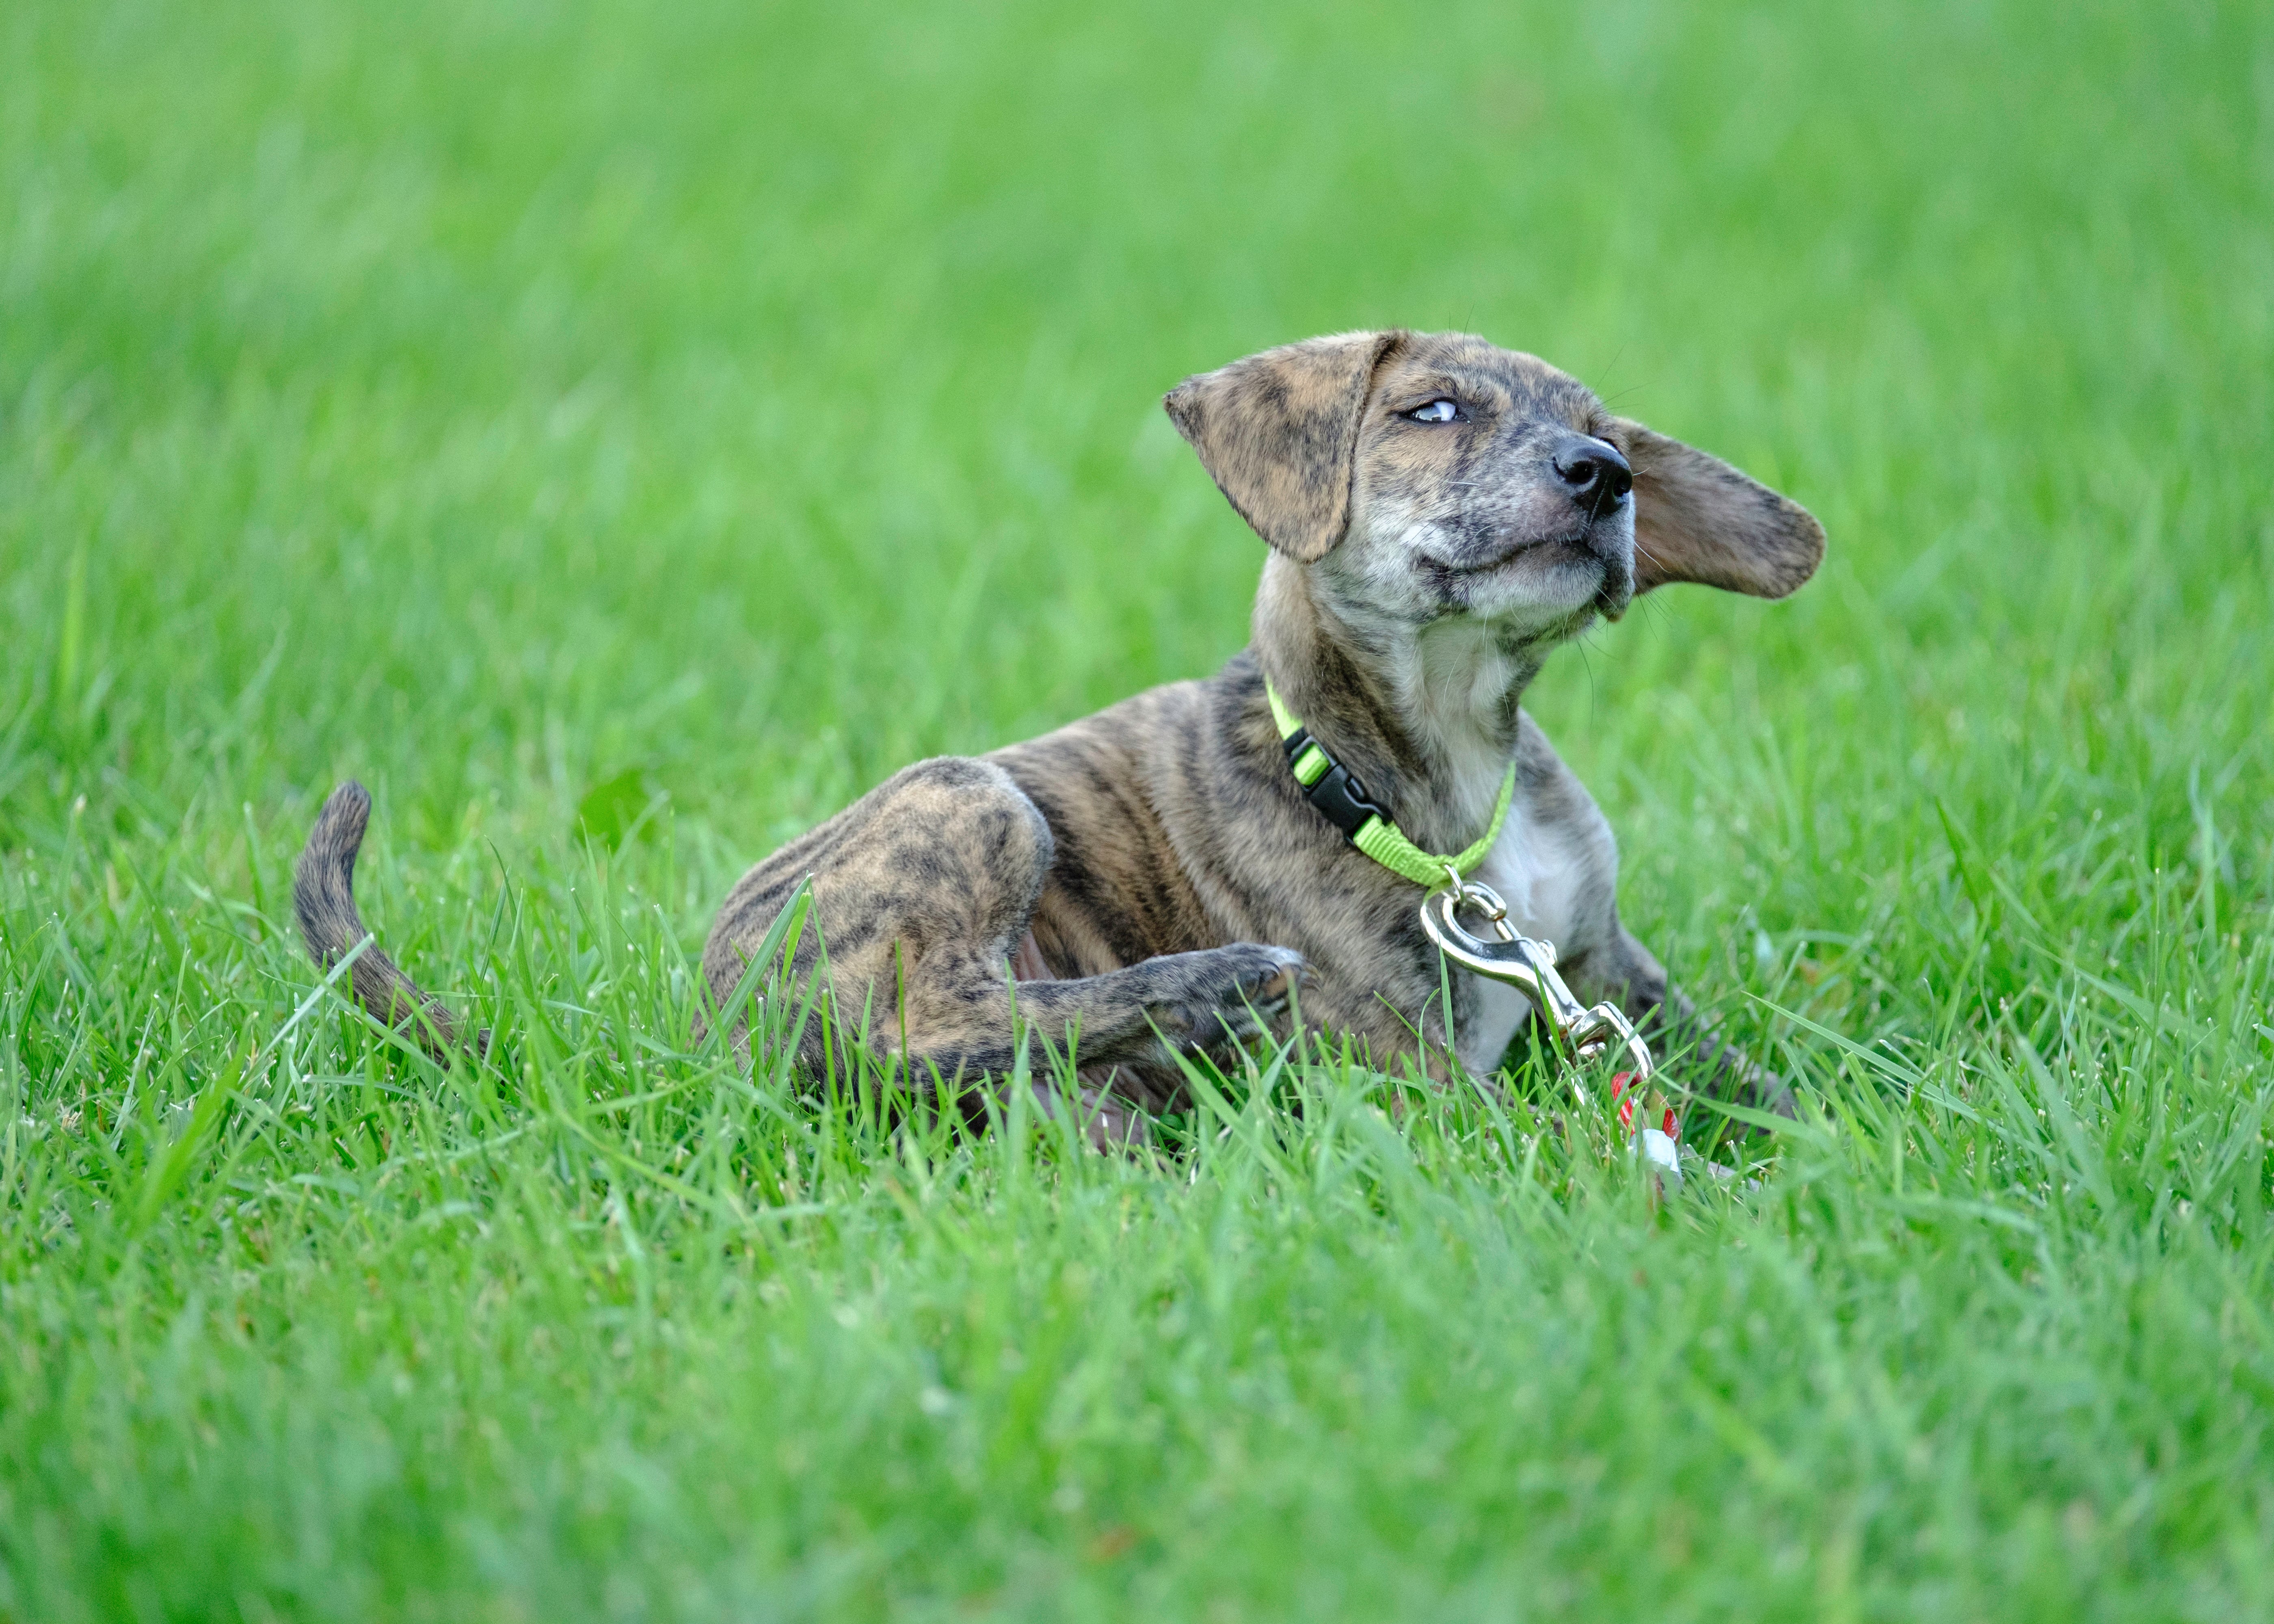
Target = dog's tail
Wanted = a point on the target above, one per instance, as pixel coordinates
(323, 895)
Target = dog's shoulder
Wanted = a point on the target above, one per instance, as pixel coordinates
(1115, 788)
(1556, 805)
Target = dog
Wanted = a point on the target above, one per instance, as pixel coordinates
(1441, 515)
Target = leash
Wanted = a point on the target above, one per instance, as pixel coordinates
(1583, 1034)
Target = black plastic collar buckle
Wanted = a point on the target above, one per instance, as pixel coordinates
(1342, 799)
(1338, 793)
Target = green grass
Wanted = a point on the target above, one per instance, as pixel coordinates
(703, 410)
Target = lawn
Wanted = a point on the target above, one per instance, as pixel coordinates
(621, 434)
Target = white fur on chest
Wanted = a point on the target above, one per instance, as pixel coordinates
(1538, 878)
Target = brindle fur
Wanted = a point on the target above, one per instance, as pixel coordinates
(1152, 874)
(323, 896)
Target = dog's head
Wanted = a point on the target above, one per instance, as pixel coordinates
(1432, 475)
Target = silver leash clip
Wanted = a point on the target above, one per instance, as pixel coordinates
(1585, 1035)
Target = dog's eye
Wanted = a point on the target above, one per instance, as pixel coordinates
(1436, 411)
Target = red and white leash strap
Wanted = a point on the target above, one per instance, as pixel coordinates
(1583, 1033)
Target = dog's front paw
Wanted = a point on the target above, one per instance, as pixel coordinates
(1268, 977)
(1237, 992)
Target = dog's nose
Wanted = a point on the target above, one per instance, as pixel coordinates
(1598, 476)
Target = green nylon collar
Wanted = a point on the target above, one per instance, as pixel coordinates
(1377, 837)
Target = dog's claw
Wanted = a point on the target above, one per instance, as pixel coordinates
(1279, 982)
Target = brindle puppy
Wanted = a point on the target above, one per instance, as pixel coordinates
(1442, 514)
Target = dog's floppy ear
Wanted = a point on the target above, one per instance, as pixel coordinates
(1699, 519)
(1278, 433)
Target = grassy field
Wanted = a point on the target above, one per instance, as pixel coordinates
(621, 434)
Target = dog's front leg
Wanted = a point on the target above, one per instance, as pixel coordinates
(1175, 1002)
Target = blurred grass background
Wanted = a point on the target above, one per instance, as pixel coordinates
(669, 420)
